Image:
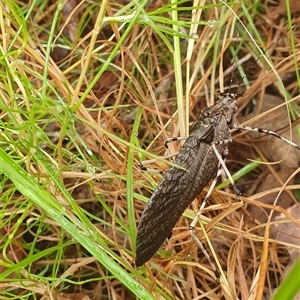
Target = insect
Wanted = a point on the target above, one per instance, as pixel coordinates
(178, 188)
(201, 159)
(209, 137)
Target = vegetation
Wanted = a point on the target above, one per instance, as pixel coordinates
(87, 90)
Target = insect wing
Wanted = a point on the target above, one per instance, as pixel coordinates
(178, 188)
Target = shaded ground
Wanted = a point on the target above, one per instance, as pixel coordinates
(80, 117)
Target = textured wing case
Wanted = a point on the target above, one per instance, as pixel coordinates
(178, 188)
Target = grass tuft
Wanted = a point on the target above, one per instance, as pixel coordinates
(87, 91)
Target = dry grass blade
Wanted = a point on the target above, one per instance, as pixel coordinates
(87, 90)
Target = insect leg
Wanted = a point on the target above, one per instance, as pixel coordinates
(222, 166)
(222, 163)
(196, 219)
(174, 139)
(141, 164)
(268, 132)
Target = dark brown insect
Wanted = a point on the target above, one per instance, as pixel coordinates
(202, 154)
(178, 188)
